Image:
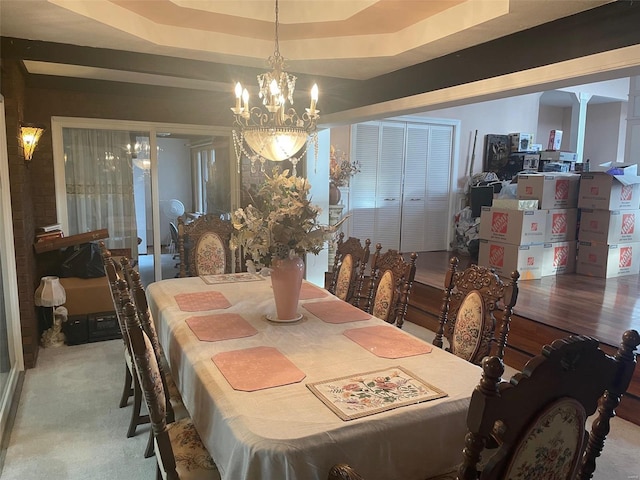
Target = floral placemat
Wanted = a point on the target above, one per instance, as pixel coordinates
(336, 311)
(221, 326)
(387, 342)
(201, 301)
(309, 291)
(257, 368)
(231, 278)
(364, 394)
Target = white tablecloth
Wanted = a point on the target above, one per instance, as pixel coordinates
(286, 432)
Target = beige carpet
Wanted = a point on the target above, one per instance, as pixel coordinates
(68, 424)
(69, 427)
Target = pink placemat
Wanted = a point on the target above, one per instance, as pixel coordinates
(222, 326)
(387, 342)
(336, 311)
(257, 368)
(309, 291)
(201, 301)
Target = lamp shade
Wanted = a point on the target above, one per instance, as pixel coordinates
(276, 144)
(30, 135)
(50, 293)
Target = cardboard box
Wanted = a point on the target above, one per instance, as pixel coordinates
(552, 190)
(601, 191)
(515, 204)
(559, 258)
(525, 161)
(558, 156)
(521, 142)
(609, 226)
(561, 225)
(87, 295)
(606, 261)
(506, 258)
(553, 166)
(555, 140)
(517, 227)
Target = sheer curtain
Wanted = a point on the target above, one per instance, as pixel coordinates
(99, 182)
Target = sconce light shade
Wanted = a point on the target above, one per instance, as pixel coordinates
(30, 135)
(50, 293)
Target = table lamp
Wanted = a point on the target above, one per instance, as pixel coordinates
(50, 293)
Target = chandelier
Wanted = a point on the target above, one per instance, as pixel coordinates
(274, 131)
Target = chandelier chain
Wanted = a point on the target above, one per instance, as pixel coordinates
(277, 49)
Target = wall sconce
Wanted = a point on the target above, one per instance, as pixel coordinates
(30, 135)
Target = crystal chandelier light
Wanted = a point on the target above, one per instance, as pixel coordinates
(276, 132)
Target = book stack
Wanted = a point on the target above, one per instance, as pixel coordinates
(49, 232)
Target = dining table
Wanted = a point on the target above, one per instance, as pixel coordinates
(285, 400)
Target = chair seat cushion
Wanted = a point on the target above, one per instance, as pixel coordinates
(193, 462)
(384, 299)
(552, 444)
(210, 255)
(345, 275)
(469, 326)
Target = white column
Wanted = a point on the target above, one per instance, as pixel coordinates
(578, 123)
(632, 142)
(318, 175)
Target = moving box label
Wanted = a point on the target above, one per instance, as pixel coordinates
(562, 189)
(626, 257)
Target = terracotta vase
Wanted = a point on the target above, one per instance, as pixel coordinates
(334, 194)
(286, 279)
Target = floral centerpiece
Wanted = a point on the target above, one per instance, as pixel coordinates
(280, 222)
(340, 168)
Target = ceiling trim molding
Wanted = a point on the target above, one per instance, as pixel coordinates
(592, 68)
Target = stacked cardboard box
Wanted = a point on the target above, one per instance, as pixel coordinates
(557, 194)
(512, 239)
(610, 210)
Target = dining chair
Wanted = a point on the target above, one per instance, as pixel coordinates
(123, 296)
(537, 421)
(467, 320)
(349, 267)
(173, 230)
(390, 283)
(175, 406)
(203, 246)
(131, 388)
(180, 453)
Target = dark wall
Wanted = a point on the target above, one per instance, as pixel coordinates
(32, 183)
(24, 177)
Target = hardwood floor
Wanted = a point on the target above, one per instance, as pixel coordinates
(598, 307)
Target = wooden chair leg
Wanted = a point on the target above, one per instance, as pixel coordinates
(127, 390)
(136, 418)
(149, 451)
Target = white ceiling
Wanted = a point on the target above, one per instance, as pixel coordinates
(354, 39)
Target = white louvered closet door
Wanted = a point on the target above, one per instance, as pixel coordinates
(437, 222)
(400, 198)
(376, 192)
(414, 201)
(427, 180)
(389, 187)
(362, 187)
